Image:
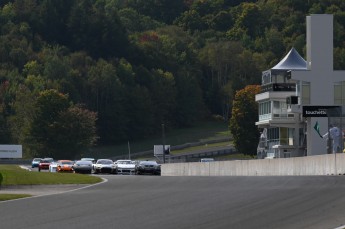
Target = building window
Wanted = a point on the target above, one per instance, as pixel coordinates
(339, 93)
(305, 93)
(343, 93)
(280, 136)
(302, 137)
(266, 78)
(279, 109)
(291, 136)
(273, 134)
(280, 78)
(284, 136)
(264, 110)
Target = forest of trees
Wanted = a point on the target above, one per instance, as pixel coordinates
(130, 65)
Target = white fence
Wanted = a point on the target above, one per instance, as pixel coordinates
(329, 164)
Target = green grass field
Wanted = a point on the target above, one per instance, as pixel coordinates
(4, 197)
(14, 175)
(204, 146)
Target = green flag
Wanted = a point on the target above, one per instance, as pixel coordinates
(317, 128)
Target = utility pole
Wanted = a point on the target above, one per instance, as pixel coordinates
(129, 151)
(163, 139)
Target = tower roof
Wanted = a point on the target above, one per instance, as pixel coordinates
(292, 61)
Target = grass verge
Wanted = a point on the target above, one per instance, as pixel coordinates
(205, 146)
(4, 197)
(14, 175)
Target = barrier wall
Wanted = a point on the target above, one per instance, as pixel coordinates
(329, 164)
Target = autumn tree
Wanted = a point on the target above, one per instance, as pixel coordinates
(59, 129)
(49, 104)
(75, 130)
(242, 122)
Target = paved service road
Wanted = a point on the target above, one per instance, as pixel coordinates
(130, 202)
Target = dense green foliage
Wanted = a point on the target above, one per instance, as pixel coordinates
(139, 63)
(242, 122)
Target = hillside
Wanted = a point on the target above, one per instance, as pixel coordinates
(79, 73)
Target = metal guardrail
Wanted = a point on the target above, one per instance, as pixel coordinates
(212, 153)
(194, 157)
(176, 147)
(15, 161)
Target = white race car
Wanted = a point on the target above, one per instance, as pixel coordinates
(53, 167)
(124, 167)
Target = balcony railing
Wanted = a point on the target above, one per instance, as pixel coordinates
(278, 87)
(271, 116)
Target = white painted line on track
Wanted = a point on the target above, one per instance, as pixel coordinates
(25, 167)
(341, 227)
(72, 190)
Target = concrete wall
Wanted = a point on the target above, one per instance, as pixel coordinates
(329, 164)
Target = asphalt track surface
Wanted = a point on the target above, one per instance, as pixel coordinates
(186, 202)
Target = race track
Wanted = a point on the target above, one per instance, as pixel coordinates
(154, 202)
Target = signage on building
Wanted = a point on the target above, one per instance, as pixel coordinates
(321, 111)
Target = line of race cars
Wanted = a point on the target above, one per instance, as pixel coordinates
(90, 165)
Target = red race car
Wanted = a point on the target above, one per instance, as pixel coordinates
(44, 164)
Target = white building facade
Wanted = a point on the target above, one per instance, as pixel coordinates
(300, 99)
